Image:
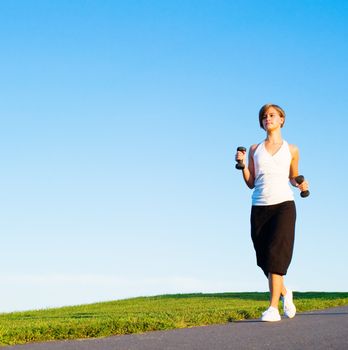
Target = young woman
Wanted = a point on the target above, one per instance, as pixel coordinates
(272, 164)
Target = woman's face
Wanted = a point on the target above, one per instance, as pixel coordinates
(271, 119)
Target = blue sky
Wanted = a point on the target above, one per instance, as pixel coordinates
(119, 124)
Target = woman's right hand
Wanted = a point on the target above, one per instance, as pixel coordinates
(240, 156)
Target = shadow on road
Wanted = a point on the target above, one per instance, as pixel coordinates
(322, 314)
(298, 315)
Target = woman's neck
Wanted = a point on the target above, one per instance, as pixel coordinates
(274, 138)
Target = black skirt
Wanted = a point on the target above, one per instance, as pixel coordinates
(273, 235)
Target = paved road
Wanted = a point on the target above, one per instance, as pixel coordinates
(320, 330)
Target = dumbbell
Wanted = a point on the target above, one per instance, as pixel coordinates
(299, 179)
(240, 165)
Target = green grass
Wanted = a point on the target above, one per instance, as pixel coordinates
(143, 314)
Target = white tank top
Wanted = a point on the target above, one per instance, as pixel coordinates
(272, 176)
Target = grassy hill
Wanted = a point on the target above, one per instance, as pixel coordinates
(143, 314)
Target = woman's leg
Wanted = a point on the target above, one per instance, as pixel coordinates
(276, 288)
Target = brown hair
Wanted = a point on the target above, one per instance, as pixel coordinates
(267, 106)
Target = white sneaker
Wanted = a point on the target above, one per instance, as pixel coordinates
(271, 315)
(288, 304)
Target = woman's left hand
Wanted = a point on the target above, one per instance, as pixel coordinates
(304, 186)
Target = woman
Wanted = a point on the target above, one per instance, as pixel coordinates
(272, 164)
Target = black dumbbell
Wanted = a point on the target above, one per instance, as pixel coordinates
(299, 179)
(240, 165)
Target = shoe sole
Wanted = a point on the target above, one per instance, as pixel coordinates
(271, 320)
(276, 320)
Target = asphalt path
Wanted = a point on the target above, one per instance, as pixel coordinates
(319, 330)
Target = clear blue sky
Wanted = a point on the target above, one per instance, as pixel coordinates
(119, 123)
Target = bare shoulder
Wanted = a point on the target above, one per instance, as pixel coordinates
(252, 149)
(293, 150)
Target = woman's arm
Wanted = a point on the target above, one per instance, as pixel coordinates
(248, 171)
(294, 169)
(294, 164)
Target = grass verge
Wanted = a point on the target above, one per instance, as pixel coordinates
(143, 314)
